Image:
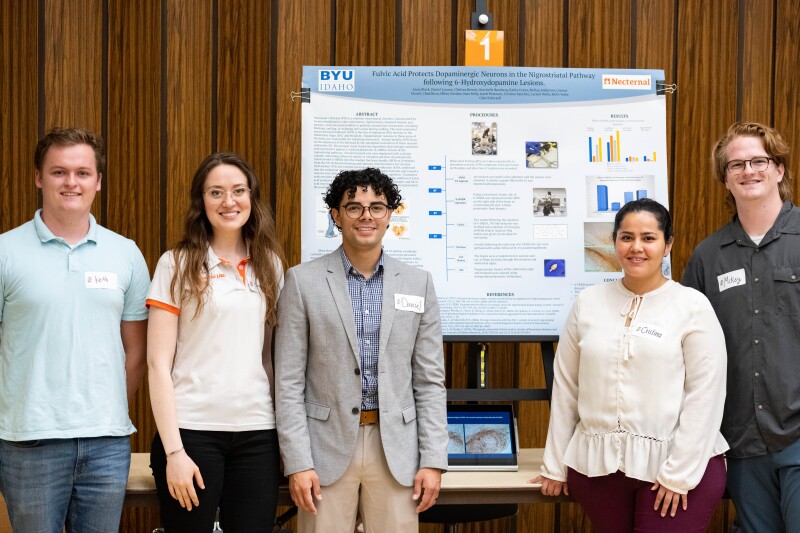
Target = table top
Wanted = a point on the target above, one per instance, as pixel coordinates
(457, 487)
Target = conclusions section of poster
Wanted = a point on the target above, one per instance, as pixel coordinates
(510, 178)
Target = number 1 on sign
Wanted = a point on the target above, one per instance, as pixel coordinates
(483, 49)
(485, 44)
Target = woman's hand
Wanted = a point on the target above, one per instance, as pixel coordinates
(181, 474)
(666, 499)
(551, 487)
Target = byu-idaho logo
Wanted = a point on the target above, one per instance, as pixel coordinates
(337, 80)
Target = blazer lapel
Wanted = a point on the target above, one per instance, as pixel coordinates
(391, 284)
(337, 281)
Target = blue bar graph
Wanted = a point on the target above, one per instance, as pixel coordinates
(602, 198)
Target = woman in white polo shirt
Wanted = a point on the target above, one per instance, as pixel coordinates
(212, 309)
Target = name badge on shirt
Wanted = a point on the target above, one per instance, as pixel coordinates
(734, 278)
(100, 280)
(647, 331)
(407, 302)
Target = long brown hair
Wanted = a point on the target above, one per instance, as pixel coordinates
(191, 254)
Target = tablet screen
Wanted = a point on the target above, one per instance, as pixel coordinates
(481, 437)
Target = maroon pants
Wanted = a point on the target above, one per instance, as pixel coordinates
(619, 504)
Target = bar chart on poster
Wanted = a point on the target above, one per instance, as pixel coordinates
(510, 178)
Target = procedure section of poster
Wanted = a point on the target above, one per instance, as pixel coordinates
(510, 178)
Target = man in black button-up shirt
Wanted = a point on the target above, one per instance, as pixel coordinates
(750, 270)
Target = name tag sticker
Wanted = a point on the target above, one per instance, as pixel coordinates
(646, 331)
(407, 302)
(100, 280)
(734, 278)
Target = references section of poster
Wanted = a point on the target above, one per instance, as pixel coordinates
(510, 178)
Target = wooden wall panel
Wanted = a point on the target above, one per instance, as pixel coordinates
(19, 111)
(757, 61)
(706, 105)
(426, 35)
(599, 33)
(243, 81)
(73, 64)
(544, 33)
(787, 86)
(311, 20)
(654, 45)
(189, 136)
(365, 32)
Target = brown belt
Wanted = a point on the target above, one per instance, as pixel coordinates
(369, 417)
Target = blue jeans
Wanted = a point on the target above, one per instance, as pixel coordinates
(766, 490)
(74, 483)
(240, 472)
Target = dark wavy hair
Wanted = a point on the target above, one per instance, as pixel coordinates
(774, 145)
(348, 181)
(648, 205)
(191, 253)
(70, 137)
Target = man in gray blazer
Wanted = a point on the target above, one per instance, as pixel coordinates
(360, 395)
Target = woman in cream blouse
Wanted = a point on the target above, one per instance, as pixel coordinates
(638, 393)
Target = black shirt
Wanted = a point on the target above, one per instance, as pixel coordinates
(755, 291)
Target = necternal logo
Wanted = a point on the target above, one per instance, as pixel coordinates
(337, 80)
(627, 81)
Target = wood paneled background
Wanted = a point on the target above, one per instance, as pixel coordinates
(168, 81)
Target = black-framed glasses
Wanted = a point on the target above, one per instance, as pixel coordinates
(758, 164)
(355, 210)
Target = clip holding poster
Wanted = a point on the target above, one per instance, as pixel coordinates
(304, 95)
(483, 48)
(662, 87)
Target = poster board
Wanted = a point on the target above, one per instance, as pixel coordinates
(510, 179)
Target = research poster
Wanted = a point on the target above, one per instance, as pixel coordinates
(510, 178)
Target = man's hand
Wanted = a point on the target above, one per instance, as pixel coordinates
(551, 487)
(427, 482)
(301, 486)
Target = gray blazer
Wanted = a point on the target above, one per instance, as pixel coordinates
(318, 388)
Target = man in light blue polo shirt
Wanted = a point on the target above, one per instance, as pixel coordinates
(73, 328)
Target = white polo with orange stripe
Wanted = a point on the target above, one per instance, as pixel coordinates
(220, 382)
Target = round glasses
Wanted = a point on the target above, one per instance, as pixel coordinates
(218, 195)
(737, 166)
(356, 210)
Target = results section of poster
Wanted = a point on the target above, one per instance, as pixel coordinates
(510, 178)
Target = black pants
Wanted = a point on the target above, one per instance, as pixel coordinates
(240, 472)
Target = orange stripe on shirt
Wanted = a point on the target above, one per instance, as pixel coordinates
(162, 305)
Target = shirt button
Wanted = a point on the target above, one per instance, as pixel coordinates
(757, 250)
(366, 342)
(760, 407)
(794, 277)
(756, 280)
(755, 341)
(756, 311)
(756, 374)
(366, 311)
(355, 410)
(357, 372)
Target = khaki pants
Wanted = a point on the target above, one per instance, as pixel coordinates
(367, 485)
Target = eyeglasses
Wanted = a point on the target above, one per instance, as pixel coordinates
(218, 195)
(355, 210)
(758, 164)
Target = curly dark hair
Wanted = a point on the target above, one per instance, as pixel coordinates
(348, 181)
